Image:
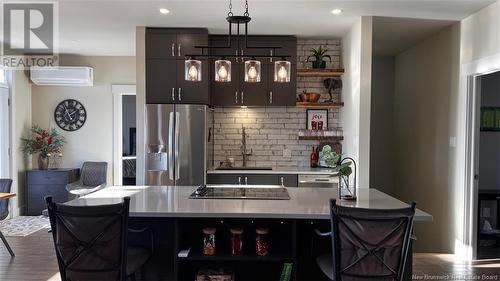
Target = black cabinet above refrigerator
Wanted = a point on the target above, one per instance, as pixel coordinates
(165, 55)
(165, 83)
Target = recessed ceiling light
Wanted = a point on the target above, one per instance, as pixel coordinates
(164, 11)
(336, 11)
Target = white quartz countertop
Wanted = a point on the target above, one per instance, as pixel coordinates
(173, 201)
(279, 170)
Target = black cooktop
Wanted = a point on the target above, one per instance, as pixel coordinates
(264, 193)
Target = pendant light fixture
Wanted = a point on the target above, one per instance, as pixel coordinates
(252, 66)
(282, 71)
(252, 71)
(192, 70)
(223, 70)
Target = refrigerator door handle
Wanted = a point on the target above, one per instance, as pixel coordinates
(170, 146)
(177, 162)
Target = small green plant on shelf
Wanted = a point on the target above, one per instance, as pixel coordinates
(319, 54)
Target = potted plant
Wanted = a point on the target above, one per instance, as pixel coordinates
(44, 142)
(319, 54)
(343, 167)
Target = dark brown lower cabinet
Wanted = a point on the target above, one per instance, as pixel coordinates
(257, 179)
(41, 183)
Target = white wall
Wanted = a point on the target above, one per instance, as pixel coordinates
(94, 141)
(480, 53)
(355, 116)
(480, 34)
(21, 122)
(425, 101)
(140, 98)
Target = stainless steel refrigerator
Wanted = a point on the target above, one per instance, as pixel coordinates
(179, 144)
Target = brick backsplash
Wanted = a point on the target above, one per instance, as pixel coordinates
(315, 84)
(270, 130)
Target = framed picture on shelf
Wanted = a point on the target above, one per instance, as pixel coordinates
(490, 118)
(317, 119)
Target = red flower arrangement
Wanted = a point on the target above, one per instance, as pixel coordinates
(44, 142)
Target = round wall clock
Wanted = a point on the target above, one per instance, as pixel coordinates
(70, 115)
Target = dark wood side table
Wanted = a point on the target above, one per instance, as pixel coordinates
(40, 183)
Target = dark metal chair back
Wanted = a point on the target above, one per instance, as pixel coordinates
(90, 241)
(93, 173)
(5, 185)
(370, 244)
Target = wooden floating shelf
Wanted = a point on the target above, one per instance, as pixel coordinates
(319, 105)
(322, 138)
(306, 72)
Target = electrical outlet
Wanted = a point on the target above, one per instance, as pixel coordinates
(287, 153)
(453, 142)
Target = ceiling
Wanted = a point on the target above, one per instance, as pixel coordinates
(392, 36)
(94, 27)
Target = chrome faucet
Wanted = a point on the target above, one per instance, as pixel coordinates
(244, 152)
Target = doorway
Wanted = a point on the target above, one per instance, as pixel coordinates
(4, 126)
(124, 135)
(488, 161)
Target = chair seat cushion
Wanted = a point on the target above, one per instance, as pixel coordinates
(136, 257)
(325, 263)
(84, 190)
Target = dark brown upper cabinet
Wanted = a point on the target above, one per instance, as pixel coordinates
(174, 43)
(226, 93)
(263, 93)
(166, 49)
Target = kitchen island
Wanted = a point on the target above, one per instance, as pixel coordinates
(177, 224)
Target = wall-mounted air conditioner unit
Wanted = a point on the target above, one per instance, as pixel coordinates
(63, 76)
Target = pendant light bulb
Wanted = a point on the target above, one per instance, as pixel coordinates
(252, 71)
(192, 70)
(193, 73)
(222, 70)
(282, 71)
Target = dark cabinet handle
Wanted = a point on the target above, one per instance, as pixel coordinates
(236, 97)
(173, 93)
(173, 49)
(179, 50)
(246, 180)
(242, 97)
(180, 89)
(271, 97)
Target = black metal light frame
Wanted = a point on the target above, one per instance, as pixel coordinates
(238, 20)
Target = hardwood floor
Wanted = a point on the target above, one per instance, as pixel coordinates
(35, 260)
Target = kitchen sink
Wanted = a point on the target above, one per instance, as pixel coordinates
(244, 168)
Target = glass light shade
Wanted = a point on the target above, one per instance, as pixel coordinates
(282, 71)
(252, 71)
(223, 71)
(192, 70)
